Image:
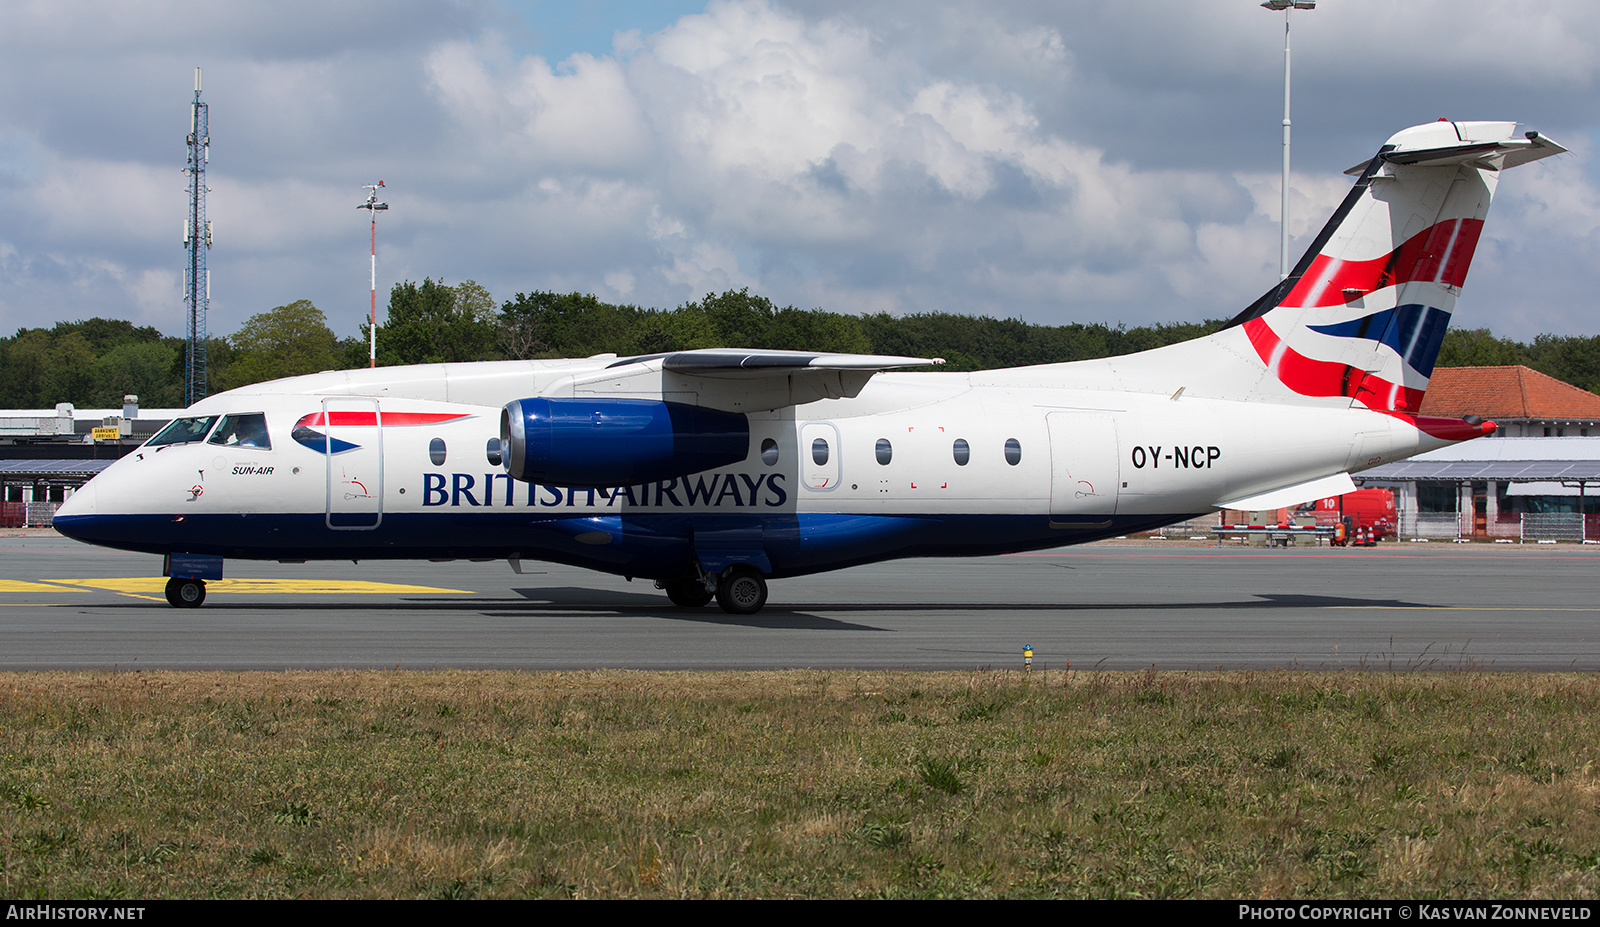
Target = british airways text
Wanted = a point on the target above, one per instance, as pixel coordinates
(713, 490)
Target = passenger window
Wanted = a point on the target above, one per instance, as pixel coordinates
(246, 430)
(1013, 451)
(769, 452)
(884, 451)
(819, 451)
(436, 451)
(962, 452)
(492, 452)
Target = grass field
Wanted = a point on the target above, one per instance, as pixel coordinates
(799, 784)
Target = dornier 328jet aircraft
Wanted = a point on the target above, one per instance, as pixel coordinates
(712, 471)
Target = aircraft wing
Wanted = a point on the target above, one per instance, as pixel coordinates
(749, 362)
(736, 379)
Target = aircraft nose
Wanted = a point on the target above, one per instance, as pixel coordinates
(73, 512)
(95, 515)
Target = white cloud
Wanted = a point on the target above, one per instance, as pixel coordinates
(1056, 161)
(154, 291)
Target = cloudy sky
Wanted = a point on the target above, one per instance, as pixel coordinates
(1051, 161)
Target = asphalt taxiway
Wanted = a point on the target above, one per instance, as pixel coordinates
(64, 605)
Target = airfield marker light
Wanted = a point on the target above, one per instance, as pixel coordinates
(1027, 658)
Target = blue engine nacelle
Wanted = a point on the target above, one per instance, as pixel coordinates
(616, 442)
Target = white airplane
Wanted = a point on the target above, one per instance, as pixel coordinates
(711, 471)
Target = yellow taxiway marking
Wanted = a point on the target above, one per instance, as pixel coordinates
(17, 585)
(156, 586)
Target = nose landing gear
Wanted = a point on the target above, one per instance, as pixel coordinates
(189, 572)
(183, 592)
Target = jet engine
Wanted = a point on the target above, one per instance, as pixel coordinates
(616, 442)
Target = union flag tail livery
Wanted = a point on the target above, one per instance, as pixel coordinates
(1365, 311)
(712, 471)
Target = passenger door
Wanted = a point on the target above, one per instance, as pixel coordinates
(355, 474)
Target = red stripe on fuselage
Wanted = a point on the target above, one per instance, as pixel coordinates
(355, 418)
(1440, 253)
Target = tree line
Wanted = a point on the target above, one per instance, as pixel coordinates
(94, 363)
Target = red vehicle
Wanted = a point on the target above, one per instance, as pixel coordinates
(1366, 516)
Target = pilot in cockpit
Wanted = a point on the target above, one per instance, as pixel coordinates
(249, 430)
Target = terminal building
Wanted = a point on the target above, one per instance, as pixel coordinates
(47, 453)
(1536, 478)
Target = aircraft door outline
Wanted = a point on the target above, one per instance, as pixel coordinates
(819, 457)
(354, 494)
(1085, 466)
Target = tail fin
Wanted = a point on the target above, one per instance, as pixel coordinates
(1364, 312)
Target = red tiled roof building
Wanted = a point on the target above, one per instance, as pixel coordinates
(1523, 402)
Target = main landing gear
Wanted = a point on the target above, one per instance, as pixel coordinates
(739, 590)
(688, 594)
(183, 592)
(742, 590)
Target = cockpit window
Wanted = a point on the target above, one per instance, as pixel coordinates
(243, 430)
(183, 431)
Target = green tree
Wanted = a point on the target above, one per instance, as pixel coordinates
(1476, 347)
(220, 354)
(740, 320)
(104, 335)
(143, 370)
(544, 324)
(1572, 359)
(64, 363)
(41, 368)
(283, 342)
(433, 323)
(797, 330)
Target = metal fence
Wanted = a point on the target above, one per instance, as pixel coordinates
(1529, 526)
(1559, 526)
(27, 514)
(1184, 530)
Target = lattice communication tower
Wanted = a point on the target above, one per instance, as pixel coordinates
(197, 240)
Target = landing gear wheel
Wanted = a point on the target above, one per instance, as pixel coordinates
(186, 593)
(742, 591)
(689, 594)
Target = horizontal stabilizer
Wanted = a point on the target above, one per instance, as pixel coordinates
(1474, 143)
(1283, 497)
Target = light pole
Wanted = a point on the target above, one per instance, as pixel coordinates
(374, 207)
(1283, 211)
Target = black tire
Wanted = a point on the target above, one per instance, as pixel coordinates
(688, 594)
(742, 591)
(186, 593)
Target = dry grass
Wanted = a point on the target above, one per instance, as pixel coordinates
(808, 784)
